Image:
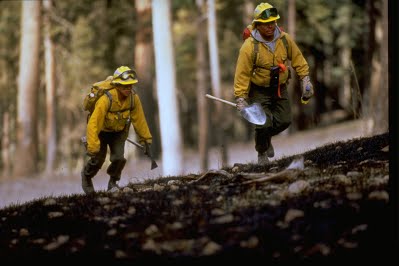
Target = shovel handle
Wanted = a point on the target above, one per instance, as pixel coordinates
(135, 143)
(220, 100)
(153, 162)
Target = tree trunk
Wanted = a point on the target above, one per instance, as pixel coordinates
(172, 157)
(28, 82)
(249, 8)
(345, 93)
(381, 119)
(203, 115)
(5, 145)
(293, 82)
(215, 78)
(377, 107)
(144, 61)
(51, 137)
(378, 101)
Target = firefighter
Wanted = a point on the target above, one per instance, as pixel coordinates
(108, 126)
(262, 73)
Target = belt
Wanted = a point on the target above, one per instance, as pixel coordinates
(268, 90)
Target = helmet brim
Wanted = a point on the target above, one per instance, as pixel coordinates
(265, 20)
(125, 82)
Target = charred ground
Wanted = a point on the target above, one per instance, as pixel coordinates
(332, 206)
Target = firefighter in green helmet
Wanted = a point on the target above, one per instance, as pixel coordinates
(262, 73)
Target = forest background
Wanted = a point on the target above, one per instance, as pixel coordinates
(51, 52)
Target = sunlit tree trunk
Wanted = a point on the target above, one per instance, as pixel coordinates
(378, 99)
(172, 158)
(203, 115)
(249, 8)
(144, 62)
(28, 82)
(5, 145)
(293, 82)
(215, 80)
(50, 91)
(345, 93)
(247, 17)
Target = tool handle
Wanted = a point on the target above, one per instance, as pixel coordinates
(220, 100)
(305, 100)
(153, 163)
(135, 143)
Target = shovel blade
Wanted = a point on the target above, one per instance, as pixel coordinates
(153, 164)
(254, 113)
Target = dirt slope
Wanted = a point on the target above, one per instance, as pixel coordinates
(15, 191)
(331, 204)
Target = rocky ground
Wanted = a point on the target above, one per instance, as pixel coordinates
(21, 190)
(327, 205)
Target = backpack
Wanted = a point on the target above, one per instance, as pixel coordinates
(247, 33)
(97, 90)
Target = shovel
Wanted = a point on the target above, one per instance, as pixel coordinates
(153, 163)
(253, 113)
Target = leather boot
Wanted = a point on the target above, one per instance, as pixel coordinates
(270, 150)
(262, 158)
(112, 184)
(87, 184)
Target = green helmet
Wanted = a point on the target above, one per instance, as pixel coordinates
(264, 13)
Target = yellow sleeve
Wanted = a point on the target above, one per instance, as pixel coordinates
(243, 71)
(298, 61)
(139, 122)
(96, 123)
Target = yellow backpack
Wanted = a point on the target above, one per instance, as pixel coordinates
(97, 90)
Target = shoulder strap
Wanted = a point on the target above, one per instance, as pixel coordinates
(131, 101)
(255, 55)
(256, 51)
(106, 92)
(285, 43)
(110, 99)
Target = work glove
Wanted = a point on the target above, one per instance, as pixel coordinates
(307, 90)
(84, 141)
(147, 149)
(241, 103)
(93, 159)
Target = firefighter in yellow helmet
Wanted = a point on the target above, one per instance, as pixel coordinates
(262, 73)
(109, 125)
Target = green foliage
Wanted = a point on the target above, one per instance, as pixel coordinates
(182, 4)
(93, 38)
(9, 51)
(184, 35)
(230, 25)
(231, 41)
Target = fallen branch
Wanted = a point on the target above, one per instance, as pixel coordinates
(213, 172)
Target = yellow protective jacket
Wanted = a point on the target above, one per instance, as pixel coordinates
(265, 60)
(115, 121)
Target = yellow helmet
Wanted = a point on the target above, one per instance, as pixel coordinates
(265, 12)
(125, 76)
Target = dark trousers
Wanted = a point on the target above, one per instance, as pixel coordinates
(278, 113)
(116, 143)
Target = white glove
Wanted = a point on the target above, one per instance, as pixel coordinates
(241, 104)
(307, 90)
